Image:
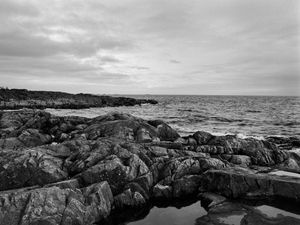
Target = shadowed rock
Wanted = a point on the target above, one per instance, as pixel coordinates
(74, 170)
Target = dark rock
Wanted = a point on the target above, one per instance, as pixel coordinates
(22, 98)
(242, 160)
(32, 138)
(284, 143)
(166, 133)
(202, 137)
(129, 199)
(56, 206)
(29, 167)
(89, 166)
(162, 191)
(234, 183)
(185, 186)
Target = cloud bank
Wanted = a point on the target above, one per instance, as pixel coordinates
(217, 47)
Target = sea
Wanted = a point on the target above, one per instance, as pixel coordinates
(245, 116)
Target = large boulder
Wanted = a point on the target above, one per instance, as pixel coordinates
(202, 137)
(164, 131)
(185, 186)
(162, 192)
(115, 172)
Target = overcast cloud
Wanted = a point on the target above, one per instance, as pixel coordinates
(244, 47)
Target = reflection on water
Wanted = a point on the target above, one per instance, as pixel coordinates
(172, 215)
(181, 213)
(228, 213)
(232, 219)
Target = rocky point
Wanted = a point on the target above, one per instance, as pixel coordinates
(75, 170)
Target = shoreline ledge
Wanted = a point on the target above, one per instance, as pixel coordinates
(11, 99)
(75, 170)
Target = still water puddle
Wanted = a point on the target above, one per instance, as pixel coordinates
(231, 213)
(172, 215)
(182, 213)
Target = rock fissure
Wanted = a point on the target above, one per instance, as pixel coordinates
(117, 160)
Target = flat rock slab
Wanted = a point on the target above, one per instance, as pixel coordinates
(236, 183)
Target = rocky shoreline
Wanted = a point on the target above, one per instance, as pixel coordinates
(75, 170)
(21, 98)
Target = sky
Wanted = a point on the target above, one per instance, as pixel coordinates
(209, 47)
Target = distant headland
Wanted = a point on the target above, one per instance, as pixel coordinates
(23, 98)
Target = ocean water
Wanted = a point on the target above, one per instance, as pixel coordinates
(255, 116)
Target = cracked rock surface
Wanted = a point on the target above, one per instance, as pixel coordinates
(74, 170)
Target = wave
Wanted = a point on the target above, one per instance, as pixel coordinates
(227, 120)
(253, 111)
(287, 124)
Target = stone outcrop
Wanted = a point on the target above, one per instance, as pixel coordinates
(74, 170)
(22, 98)
(238, 183)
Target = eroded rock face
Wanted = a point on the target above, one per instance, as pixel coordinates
(28, 167)
(74, 170)
(237, 183)
(54, 205)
